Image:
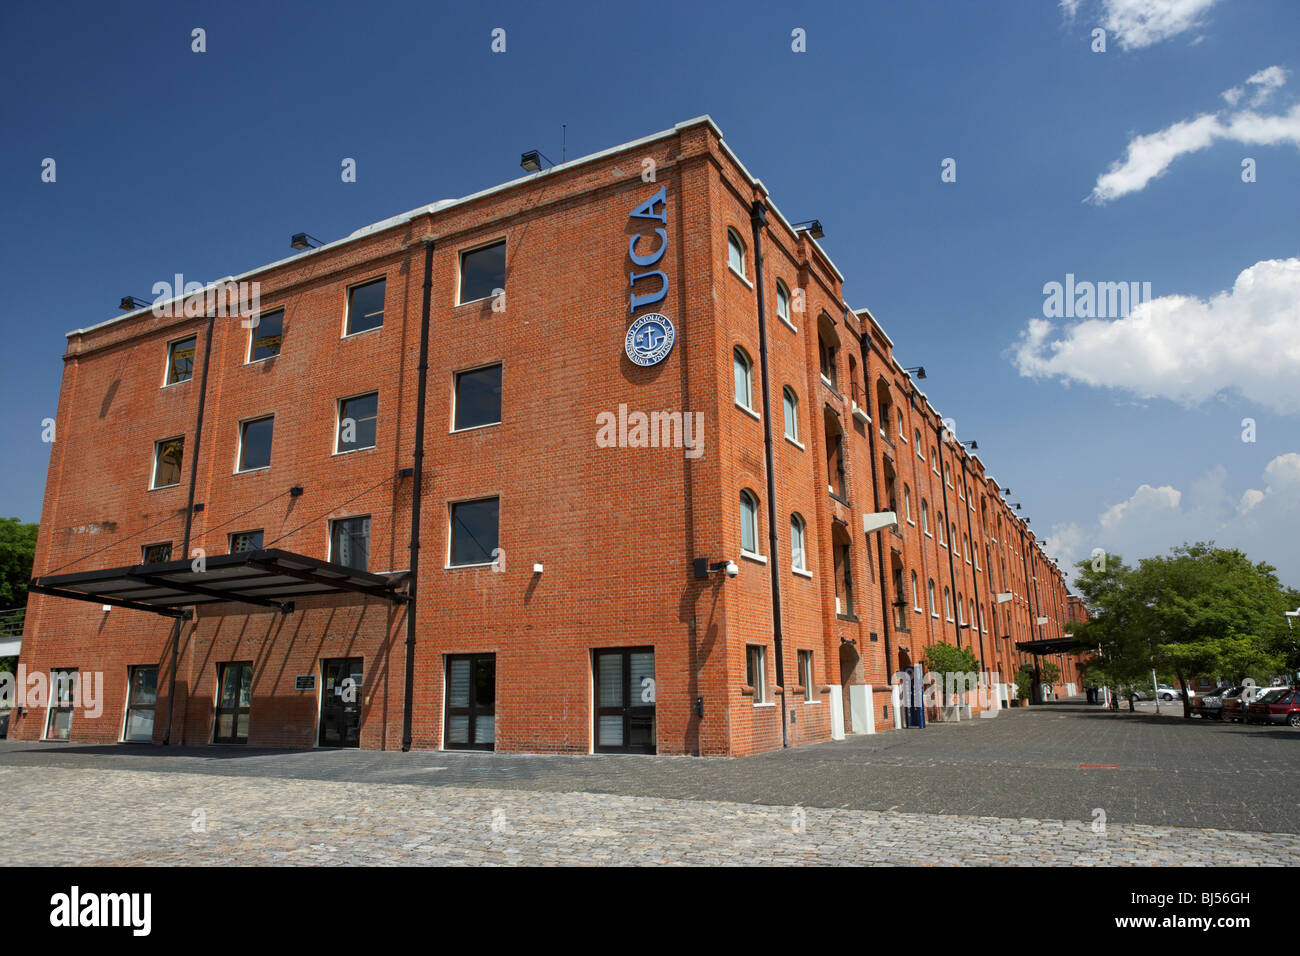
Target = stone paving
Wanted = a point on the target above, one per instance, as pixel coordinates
(120, 817)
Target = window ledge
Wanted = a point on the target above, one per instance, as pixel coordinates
(749, 411)
(802, 573)
(740, 275)
(751, 556)
(473, 428)
(765, 703)
(268, 358)
(353, 335)
(480, 564)
(352, 451)
(847, 617)
(811, 700)
(786, 322)
(252, 471)
(797, 444)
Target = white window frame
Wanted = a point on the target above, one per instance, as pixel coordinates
(347, 305)
(460, 268)
(239, 445)
(739, 356)
(153, 470)
(740, 244)
(760, 672)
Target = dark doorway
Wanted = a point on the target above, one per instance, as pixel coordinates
(234, 698)
(625, 700)
(471, 702)
(340, 702)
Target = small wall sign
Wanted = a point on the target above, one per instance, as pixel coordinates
(304, 682)
(649, 339)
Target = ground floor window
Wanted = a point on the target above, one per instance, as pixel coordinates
(63, 689)
(471, 702)
(806, 675)
(141, 699)
(340, 702)
(234, 698)
(756, 671)
(625, 700)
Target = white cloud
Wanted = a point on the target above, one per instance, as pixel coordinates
(1264, 524)
(1244, 340)
(1141, 23)
(1150, 155)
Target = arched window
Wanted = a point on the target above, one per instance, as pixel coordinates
(907, 504)
(952, 528)
(828, 347)
(902, 431)
(961, 611)
(965, 547)
(916, 439)
(925, 516)
(838, 485)
(983, 629)
(798, 556)
(940, 524)
(947, 475)
(744, 380)
(791, 414)
(782, 301)
(735, 251)
(947, 604)
(916, 595)
(933, 612)
(748, 522)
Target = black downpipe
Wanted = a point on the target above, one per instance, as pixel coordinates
(875, 505)
(974, 573)
(189, 523)
(943, 490)
(1036, 696)
(758, 219)
(417, 495)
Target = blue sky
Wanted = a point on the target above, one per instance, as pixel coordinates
(1124, 434)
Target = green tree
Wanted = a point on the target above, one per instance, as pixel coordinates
(17, 552)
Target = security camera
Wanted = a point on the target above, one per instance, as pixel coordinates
(732, 569)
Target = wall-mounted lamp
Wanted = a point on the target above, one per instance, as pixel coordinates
(531, 161)
(972, 445)
(537, 568)
(295, 491)
(302, 240)
(811, 226)
(129, 303)
(917, 370)
(703, 568)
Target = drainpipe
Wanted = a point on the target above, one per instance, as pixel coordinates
(975, 575)
(1033, 617)
(943, 490)
(189, 524)
(875, 504)
(417, 495)
(758, 219)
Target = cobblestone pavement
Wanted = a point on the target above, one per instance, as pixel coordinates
(1056, 762)
(118, 817)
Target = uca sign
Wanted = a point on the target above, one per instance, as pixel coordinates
(650, 338)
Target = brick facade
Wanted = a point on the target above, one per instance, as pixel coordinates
(615, 528)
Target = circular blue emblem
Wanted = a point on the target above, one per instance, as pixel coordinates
(649, 339)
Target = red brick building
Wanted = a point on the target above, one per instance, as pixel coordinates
(615, 368)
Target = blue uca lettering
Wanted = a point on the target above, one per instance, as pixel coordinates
(650, 258)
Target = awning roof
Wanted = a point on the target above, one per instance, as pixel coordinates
(267, 578)
(1055, 645)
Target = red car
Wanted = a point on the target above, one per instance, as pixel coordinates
(1281, 705)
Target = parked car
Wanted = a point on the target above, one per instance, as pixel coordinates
(1168, 692)
(1210, 704)
(1238, 699)
(1279, 705)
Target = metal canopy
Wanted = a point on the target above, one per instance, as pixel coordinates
(268, 578)
(1055, 645)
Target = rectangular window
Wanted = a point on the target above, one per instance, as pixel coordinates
(264, 338)
(755, 672)
(806, 675)
(167, 456)
(350, 542)
(63, 691)
(180, 360)
(470, 719)
(142, 697)
(358, 420)
(255, 443)
(478, 398)
(483, 272)
(474, 527)
(365, 307)
(156, 553)
(242, 541)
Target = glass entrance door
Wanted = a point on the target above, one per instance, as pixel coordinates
(471, 702)
(625, 700)
(234, 697)
(142, 699)
(340, 702)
